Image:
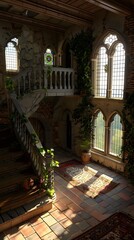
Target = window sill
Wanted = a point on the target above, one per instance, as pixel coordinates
(108, 161)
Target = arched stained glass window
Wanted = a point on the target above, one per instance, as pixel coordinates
(99, 131)
(101, 73)
(11, 55)
(48, 57)
(116, 134)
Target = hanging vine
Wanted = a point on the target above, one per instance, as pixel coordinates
(81, 46)
(128, 148)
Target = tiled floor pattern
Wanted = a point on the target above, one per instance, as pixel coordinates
(74, 212)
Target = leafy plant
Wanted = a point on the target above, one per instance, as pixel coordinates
(49, 70)
(83, 115)
(24, 118)
(128, 147)
(85, 145)
(34, 138)
(9, 84)
(81, 46)
(48, 175)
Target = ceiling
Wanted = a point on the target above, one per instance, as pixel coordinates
(60, 15)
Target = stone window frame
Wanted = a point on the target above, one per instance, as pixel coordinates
(14, 65)
(99, 43)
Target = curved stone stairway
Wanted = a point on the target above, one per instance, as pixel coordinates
(18, 202)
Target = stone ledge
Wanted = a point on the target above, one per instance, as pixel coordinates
(108, 162)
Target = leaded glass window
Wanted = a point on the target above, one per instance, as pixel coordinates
(116, 134)
(118, 71)
(99, 131)
(110, 39)
(101, 73)
(110, 68)
(11, 55)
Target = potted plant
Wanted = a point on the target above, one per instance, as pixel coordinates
(85, 146)
(82, 115)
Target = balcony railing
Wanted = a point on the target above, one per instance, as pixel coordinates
(56, 81)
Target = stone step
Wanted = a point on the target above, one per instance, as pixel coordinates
(6, 155)
(22, 196)
(19, 201)
(19, 208)
(13, 181)
(13, 167)
(5, 130)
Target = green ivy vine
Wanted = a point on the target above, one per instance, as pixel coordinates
(9, 84)
(128, 148)
(48, 171)
(81, 46)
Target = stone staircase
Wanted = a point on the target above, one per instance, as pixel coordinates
(20, 195)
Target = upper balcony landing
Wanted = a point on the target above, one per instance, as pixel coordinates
(56, 81)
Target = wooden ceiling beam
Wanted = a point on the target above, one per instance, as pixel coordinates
(11, 17)
(112, 6)
(66, 7)
(50, 12)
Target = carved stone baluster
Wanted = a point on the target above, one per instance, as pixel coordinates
(50, 77)
(55, 77)
(60, 80)
(45, 79)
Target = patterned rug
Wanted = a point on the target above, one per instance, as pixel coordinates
(86, 178)
(119, 226)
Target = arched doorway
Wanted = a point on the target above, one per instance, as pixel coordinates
(66, 58)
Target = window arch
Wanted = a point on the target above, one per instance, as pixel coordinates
(11, 55)
(115, 135)
(48, 57)
(99, 131)
(110, 68)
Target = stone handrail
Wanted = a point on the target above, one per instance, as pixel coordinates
(27, 136)
(57, 81)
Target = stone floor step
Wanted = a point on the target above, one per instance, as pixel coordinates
(20, 197)
(26, 208)
(13, 181)
(13, 167)
(6, 155)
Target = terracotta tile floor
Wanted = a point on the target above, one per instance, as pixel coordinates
(74, 212)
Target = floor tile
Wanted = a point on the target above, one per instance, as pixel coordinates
(73, 212)
(42, 229)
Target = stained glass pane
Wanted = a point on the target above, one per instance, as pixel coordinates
(48, 57)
